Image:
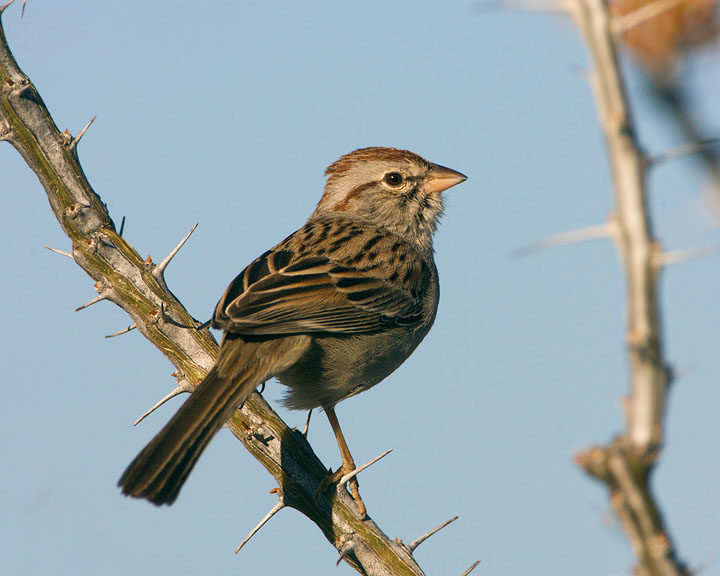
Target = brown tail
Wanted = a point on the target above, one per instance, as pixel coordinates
(161, 468)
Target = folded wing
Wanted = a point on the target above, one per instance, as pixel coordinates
(281, 294)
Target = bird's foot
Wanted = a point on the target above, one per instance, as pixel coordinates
(333, 478)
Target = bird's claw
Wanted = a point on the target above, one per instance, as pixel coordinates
(333, 478)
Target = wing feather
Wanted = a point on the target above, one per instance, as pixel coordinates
(294, 290)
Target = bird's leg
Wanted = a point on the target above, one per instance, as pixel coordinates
(348, 464)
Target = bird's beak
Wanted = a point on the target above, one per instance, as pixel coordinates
(440, 178)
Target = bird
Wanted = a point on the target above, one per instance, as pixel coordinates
(330, 311)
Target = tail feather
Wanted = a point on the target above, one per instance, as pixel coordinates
(158, 472)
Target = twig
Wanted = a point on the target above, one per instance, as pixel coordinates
(471, 568)
(635, 237)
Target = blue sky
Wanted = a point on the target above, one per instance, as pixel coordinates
(227, 114)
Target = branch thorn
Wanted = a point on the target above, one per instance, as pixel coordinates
(123, 331)
(606, 230)
(68, 254)
(76, 140)
(684, 151)
(346, 550)
(471, 568)
(307, 425)
(678, 256)
(100, 298)
(279, 505)
(415, 543)
(6, 5)
(704, 565)
(643, 14)
(549, 6)
(25, 86)
(122, 227)
(350, 475)
(183, 386)
(159, 270)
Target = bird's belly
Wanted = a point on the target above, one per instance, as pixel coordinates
(335, 368)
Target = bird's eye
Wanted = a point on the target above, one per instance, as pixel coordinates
(393, 179)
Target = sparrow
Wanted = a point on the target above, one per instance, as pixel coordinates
(330, 311)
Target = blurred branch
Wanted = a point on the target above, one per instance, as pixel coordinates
(626, 463)
(659, 34)
(643, 14)
(138, 287)
(672, 95)
(601, 231)
(683, 151)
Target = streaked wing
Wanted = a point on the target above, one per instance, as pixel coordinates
(284, 293)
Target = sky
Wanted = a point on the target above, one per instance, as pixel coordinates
(227, 114)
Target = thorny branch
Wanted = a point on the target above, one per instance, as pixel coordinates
(625, 464)
(658, 34)
(139, 288)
